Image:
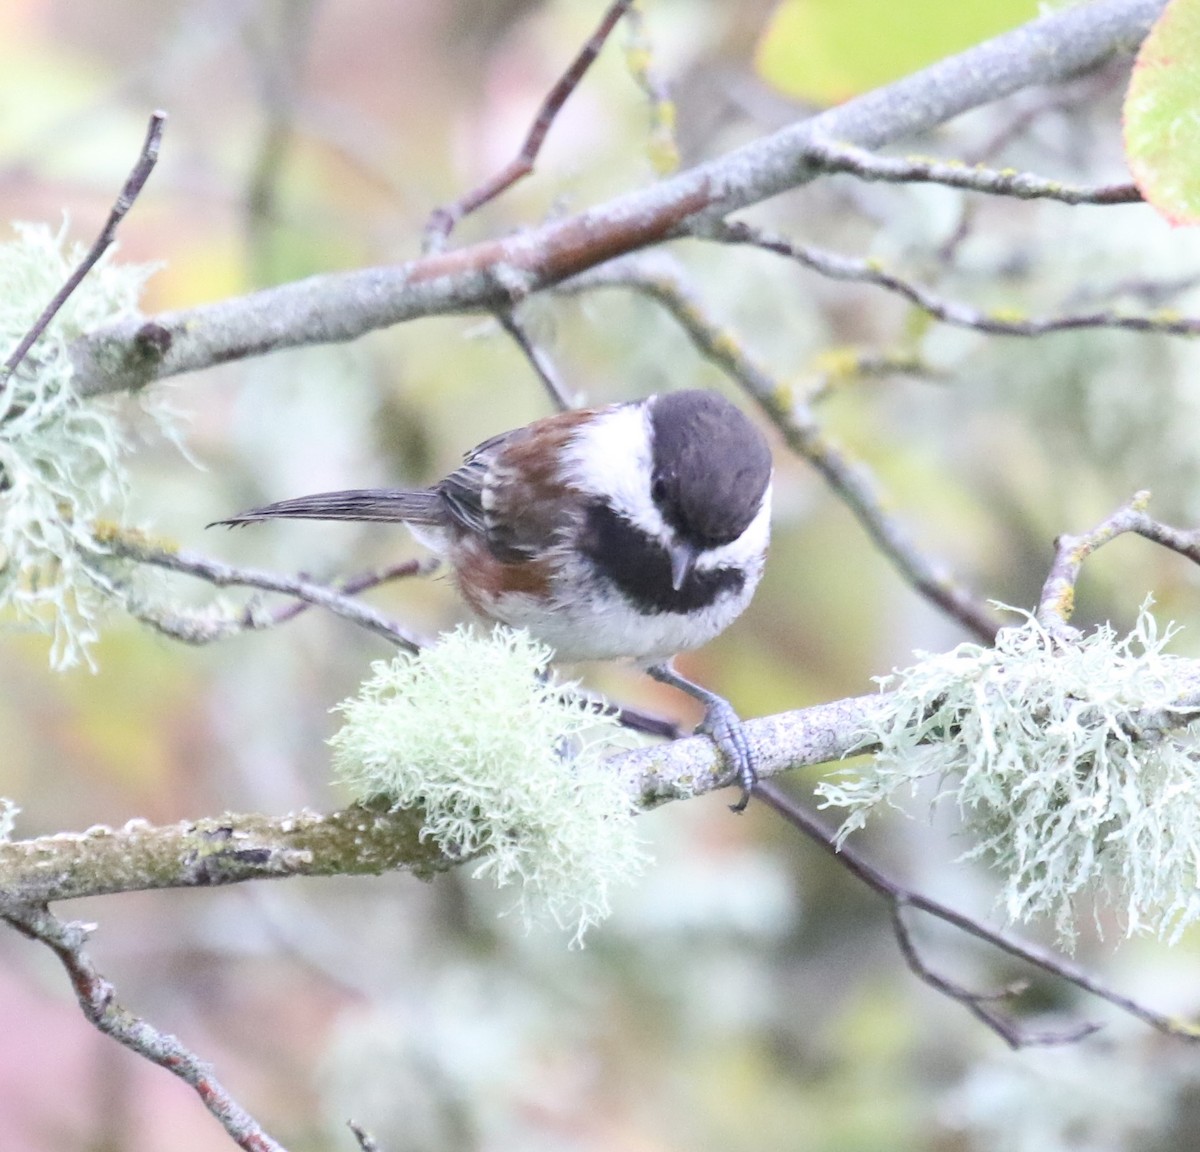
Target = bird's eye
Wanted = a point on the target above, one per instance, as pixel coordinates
(658, 490)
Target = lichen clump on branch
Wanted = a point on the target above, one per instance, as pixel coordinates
(1075, 767)
(61, 457)
(508, 765)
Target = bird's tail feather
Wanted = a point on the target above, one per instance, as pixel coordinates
(394, 505)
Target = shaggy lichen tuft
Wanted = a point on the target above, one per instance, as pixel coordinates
(60, 456)
(1075, 766)
(507, 763)
(8, 818)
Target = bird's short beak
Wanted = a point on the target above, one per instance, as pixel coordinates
(683, 560)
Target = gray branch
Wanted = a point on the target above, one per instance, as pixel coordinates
(496, 273)
(231, 849)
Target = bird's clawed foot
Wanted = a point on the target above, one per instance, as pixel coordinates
(722, 725)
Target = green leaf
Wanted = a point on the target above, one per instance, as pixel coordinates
(826, 51)
(1162, 114)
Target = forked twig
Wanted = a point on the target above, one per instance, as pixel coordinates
(129, 547)
(981, 1005)
(900, 898)
(443, 220)
(1057, 601)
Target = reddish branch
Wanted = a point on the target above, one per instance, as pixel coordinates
(97, 999)
(442, 220)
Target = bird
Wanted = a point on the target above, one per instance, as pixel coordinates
(631, 531)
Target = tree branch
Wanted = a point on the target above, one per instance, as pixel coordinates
(338, 600)
(214, 852)
(901, 897)
(836, 266)
(97, 999)
(835, 157)
(493, 274)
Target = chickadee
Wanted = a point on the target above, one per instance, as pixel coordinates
(633, 531)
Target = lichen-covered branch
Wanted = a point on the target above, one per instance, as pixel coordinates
(214, 852)
(231, 849)
(371, 840)
(494, 274)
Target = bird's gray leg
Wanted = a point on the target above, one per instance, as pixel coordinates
(721, 724)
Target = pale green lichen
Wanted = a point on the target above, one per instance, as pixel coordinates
(507, 763)
(1075, 766)
(60, 456)
(8, 818)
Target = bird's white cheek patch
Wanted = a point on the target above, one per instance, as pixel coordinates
(610, 458)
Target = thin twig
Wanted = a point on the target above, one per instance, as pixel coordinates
(208, 625)
(1057, 601)
(355, 585)
(366, 1141)
(442, 220)
(130, 547)
(837, 367)
(866, 165)
(97, 999)
(146, 160)
(559, 395)
(279, 48)
(981, 1004)
(662, 146)
(659, 276)
(336, 597)
(897, 895)
(837, 266)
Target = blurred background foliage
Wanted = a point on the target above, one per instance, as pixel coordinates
(748, 994)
